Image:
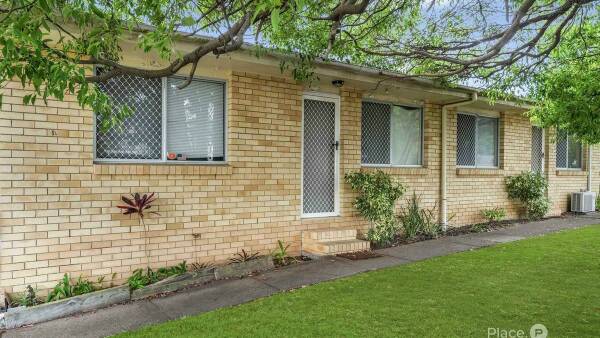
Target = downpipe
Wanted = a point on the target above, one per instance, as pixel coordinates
(444, 160)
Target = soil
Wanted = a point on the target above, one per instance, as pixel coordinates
(358, 255)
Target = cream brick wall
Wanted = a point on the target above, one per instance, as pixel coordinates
(58, 209)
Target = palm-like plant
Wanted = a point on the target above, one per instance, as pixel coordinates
(140, 206)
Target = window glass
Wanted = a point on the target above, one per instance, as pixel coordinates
(195, 120)
(375, 133)
(140, 135)
(465, 140)
(406, 135)
(568, 151)
(476, 141)
(487, 137)
(574, 153)
(391, 135)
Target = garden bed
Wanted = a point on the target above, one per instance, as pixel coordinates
(20, 316)
(359, 255)
(174, 283)
(462, 230)
(241, 269)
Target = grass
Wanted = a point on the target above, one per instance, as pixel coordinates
(553, 280)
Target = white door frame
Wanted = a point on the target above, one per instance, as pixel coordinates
(336, 100)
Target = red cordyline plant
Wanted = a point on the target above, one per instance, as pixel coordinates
(140, 206)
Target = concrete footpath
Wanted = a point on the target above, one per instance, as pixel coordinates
(130, 316)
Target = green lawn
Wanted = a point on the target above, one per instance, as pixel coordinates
(553, 280)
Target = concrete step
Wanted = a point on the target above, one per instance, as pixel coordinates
(329, 235)
(320, 248)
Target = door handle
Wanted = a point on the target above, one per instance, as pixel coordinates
(336, 144)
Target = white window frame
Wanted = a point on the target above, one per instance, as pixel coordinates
(422, 138)
(478, 116)
(580, 168)
(163, 159)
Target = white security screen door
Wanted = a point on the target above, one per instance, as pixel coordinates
(320, 156)
(537, 149)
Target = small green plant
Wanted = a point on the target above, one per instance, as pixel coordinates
(143, 277)
(530, 189)
(376, 201)
(243, 257)
(280, 255)
(418, 221)
(597, 202)
(538, 208)
(28, 297)
(66, 289)
(494, 215)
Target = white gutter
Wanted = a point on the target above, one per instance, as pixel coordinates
(589, 168)
(444, 164)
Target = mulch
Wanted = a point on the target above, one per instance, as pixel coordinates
(358, 255)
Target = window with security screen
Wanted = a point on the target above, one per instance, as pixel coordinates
(476, 141)
(139, 137)
(167, 124)
(568, 151)
(391, 135)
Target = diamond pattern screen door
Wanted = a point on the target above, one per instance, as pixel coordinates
(320, 156)
(537, 149)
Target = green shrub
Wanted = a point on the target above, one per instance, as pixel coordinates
(494, 214)
(530, 189)
(376, 201)
(538, 208)
(280, 255)
(418, 221)
(66, 288)
(27, 298)
(141, 277)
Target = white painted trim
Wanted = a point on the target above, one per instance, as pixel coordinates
(327, 97)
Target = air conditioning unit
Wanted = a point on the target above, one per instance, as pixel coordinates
(584, 201)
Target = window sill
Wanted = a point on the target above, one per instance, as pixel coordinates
(397, 170)
(162, 168)
(479, 172)
(571, 172)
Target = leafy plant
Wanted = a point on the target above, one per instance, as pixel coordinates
(530, 189)
(280, 255)
(494, 214)
(66, 289)
(418, 221)
(202, 266)
(143, 277)
(538, 208)
(376, 201)
(140, 206)
(28, 298)
(243, 257)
